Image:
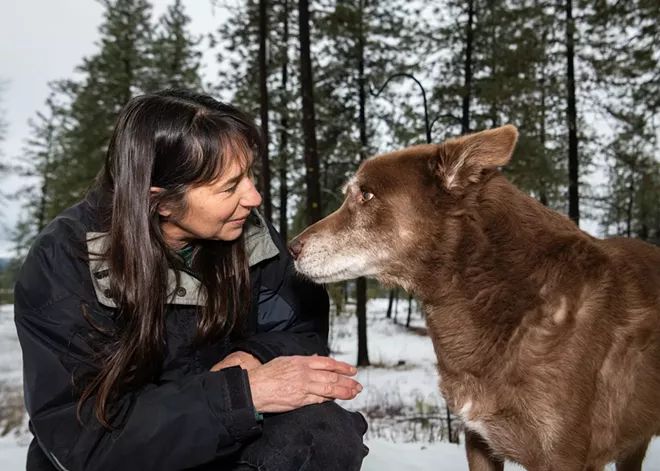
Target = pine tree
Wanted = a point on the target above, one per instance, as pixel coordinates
(240, 37)
(625, 55)
(5, 166)
(42, 153)
(264, 106)
(174, 54)
(361, 283)
(133, 58)
(505, 62)
(468, 71)
(283, 151)
(531, 80)
(110, 78)
(626, 61)
(632, 207)
(313, 200)
(573, 160)
(3, 130)
(250, 43)
(241, 40)
(451, 51)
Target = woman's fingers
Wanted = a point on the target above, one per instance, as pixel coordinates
(287, 383)
(330, 364)
(346, 394)
(334, 379)
(331, 391)
(328, 378)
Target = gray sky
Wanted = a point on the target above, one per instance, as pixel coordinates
(44, 40)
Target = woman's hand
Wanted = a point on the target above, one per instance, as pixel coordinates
(242, 359)
(288, 383)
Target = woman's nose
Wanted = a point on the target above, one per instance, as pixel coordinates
(251, 198)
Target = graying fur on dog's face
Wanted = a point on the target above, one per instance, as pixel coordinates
(343, 251)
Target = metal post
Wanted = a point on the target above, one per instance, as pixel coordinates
(427, 125)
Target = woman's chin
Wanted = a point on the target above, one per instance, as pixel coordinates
(230, 233)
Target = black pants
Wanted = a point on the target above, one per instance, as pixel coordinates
(322, 437)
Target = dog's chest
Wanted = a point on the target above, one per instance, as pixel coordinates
(485, 410)
(472, 401)
(502, 417)
(473, 420)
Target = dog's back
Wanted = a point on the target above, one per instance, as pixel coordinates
(638, 258)
(626, 404)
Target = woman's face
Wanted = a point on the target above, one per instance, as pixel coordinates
(215, 211)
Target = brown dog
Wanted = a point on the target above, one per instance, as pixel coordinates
(547, 339)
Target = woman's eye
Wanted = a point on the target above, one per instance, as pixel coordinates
(231, 189)
(366, 196)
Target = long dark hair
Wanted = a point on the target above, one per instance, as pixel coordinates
(174, 140)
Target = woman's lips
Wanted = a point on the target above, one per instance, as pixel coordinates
(239, 220)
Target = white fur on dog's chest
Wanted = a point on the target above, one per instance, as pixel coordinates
(471, 422)
(471, 400)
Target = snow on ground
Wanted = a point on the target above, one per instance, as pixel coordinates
(388, 456)
(12, 455)
(13, 445)
(402, 381)
(10, 352)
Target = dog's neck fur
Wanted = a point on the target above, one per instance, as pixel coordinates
(472, 309)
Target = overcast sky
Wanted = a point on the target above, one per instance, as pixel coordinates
(44, 40)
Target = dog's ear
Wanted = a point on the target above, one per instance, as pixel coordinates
(461, 160)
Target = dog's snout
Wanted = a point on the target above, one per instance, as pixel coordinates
(295, 247)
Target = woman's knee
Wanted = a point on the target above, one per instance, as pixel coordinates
(322, 437)
(337, 436)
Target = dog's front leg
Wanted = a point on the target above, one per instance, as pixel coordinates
(632, 461)
(479, 455)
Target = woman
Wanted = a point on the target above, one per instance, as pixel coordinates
(161, 324)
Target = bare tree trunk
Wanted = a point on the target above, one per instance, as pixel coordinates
(542, 134)
(43, 200)
(493, 62)
(361, 284)
(631, 201)
(396, 304)
(573, 194)
(645, 186)
(543, 199)
(309, 118)
(263, 99)
(389, 304)
(284, 133)
(410, 298)
(451, 438)
(467, 85)
(361, 309)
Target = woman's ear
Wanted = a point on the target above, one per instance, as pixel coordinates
(163, 209)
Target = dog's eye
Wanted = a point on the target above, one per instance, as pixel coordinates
(366, 196)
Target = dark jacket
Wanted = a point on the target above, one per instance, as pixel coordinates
(190, 415)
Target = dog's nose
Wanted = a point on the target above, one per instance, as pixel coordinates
(295, 247)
